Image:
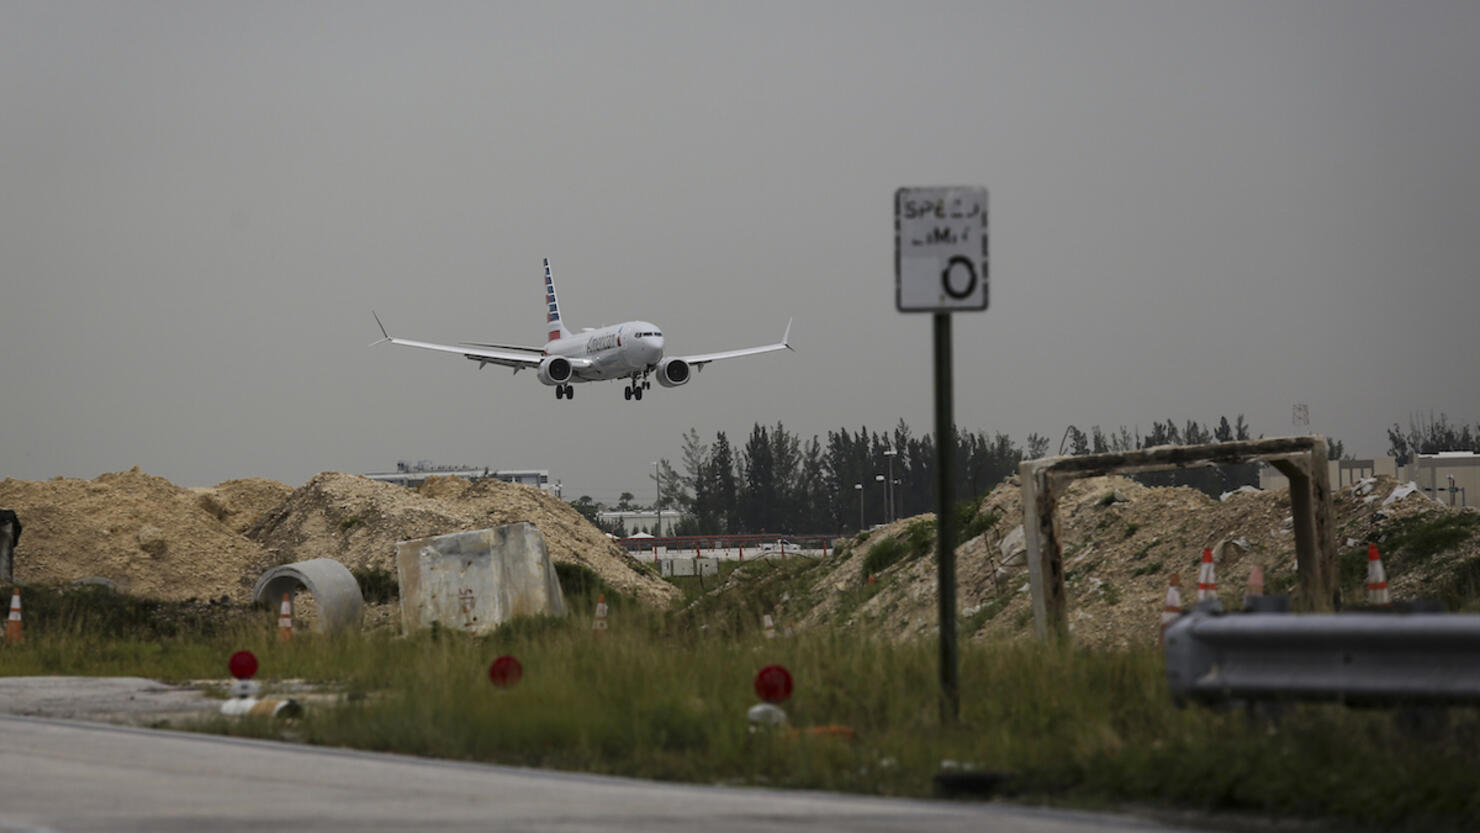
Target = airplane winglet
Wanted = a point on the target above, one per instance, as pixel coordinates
(786, 336)
(382, 332)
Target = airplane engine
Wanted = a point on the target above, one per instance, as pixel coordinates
(554, 370)
(673, 372)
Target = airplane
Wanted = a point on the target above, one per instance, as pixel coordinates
(632, 350)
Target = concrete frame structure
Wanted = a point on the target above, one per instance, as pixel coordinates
(1301, 459)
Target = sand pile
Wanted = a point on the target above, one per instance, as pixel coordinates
(1122, 542)
(157, 540)
(357, 521)
(241, 503)
(147, 535)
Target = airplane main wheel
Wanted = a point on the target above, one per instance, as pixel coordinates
(560, 391)
(570, 392)
(637, 394)
(627, 394)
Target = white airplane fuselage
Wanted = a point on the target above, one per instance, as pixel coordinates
(617, 351)
(632, 350)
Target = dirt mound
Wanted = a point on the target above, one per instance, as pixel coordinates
(357, 521)
(147, 535)
(241, 503)
(1121, 543)
(156, 540)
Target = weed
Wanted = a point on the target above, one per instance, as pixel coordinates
(1106, 499)
(377, 585)
(882, 554)
(1424, 536)
(972, 523)
(1131, 529)
(1111, 594)
(1142, 552)
(1148, 569)
(918, 539)
(984, 614)
(1352, 571)
(581, 586)
(349, 523)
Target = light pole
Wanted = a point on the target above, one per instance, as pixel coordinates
(879, 478)
(889, 485)
(859, 488)
(658, 499)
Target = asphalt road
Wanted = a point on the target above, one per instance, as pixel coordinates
(67, 775)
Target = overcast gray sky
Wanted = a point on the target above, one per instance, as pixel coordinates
(1198, 209)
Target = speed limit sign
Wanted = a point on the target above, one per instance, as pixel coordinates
(940, 249)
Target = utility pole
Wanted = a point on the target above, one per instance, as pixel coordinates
(889, 486)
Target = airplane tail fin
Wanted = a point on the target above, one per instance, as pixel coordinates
(555, 328)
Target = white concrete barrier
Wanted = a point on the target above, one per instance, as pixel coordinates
(475, 581)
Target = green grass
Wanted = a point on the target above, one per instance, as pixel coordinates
(378, 585)
(916, 541)
(1421, 537)
(1149, 569)
(664, 696)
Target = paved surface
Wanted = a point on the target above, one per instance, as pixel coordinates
(131, 700)
(64, 776)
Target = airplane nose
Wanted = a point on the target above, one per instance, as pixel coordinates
(655, 348)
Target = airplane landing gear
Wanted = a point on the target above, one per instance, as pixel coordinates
(634, 390)
(565, 392)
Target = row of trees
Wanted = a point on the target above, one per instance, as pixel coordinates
(1213, 480)
(777, 481)
(1430, 436)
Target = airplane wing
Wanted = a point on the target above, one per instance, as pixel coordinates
(516, 357)
(496, 346)
(702, 359)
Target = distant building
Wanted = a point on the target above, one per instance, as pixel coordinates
(1449, 476)
(412, 475)
(633, 520)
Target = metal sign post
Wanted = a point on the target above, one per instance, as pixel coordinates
(940, 266)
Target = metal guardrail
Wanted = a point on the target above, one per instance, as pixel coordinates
(1358, 658)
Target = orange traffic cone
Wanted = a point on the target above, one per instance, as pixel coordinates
(1256, 585)
(769, 625)
(1207, 587)
(600, 624)
(285, 620)
(871, 579)
(13, 624)
(1173, 607)
(1377, 585)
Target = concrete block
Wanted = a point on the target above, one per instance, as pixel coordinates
(475, 581)
(683, 567)
(706, 566)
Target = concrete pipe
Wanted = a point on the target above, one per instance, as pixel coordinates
(332, 586)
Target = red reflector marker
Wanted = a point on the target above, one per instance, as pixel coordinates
(242, 664)
(505, 671)
(773, 683)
